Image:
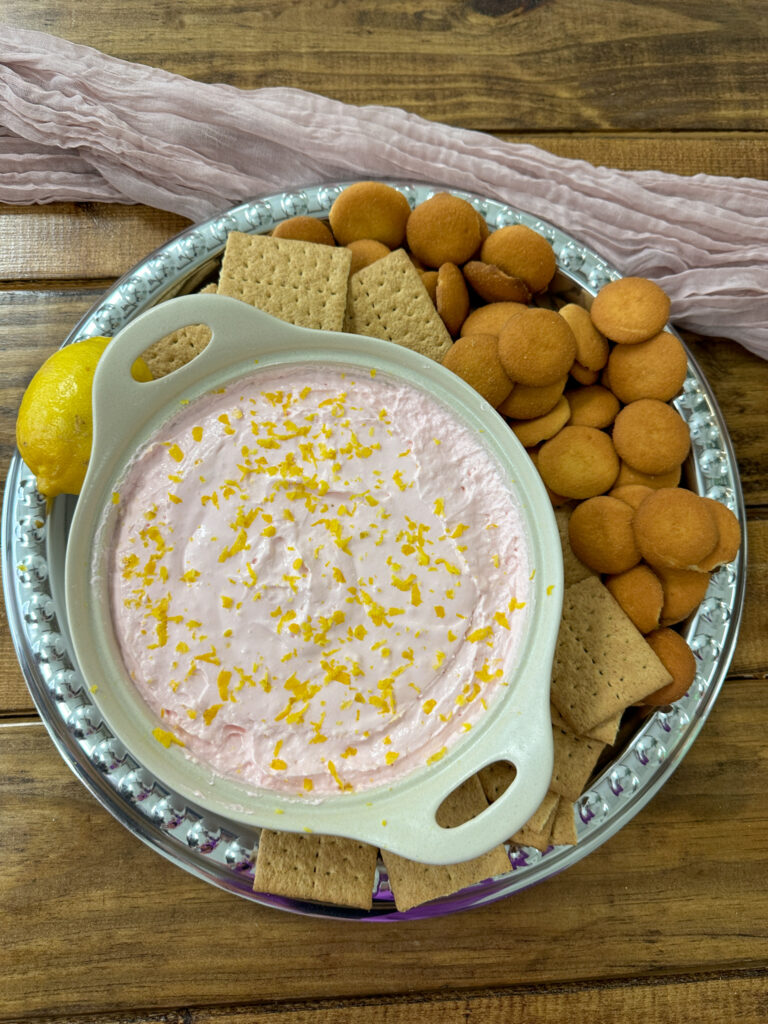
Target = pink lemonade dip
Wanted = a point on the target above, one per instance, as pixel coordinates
(318, 579)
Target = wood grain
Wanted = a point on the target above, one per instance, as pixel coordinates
(698, 999)
(74, 241)
(14, 695)
(734, 154)
(674, 891)
(504, 65)
(63, 241)
(667, 920)
(751, 656)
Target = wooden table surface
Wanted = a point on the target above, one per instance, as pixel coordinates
(666, 921)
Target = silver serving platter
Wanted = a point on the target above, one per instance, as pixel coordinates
(33, 550)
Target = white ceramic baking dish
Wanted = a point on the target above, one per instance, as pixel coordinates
(398, 817)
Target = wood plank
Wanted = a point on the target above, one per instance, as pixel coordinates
(14, 695)
(692, 1000)
(734, 154)
(682, 884)
(578, 65)
(61, 241)
(751, 656)
(72, 241)
(733, 996)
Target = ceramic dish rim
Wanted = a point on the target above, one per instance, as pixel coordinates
(521, 714)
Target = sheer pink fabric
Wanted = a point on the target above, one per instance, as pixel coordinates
(76, 124)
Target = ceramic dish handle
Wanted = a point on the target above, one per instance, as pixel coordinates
(117, 392)
(407, 824)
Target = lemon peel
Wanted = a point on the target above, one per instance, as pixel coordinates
(54, 426)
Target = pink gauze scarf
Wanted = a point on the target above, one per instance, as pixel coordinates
(78, 125)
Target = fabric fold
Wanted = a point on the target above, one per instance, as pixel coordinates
(76, 124)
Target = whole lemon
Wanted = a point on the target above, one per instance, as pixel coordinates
(54, 427)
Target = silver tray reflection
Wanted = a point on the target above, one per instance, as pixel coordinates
(34, 545)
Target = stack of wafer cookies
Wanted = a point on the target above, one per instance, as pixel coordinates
(587, 393)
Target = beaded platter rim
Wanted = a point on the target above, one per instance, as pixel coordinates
(217, 851)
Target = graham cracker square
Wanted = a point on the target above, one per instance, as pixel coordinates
(388, 300)
(304, 283)
(323, 869)
(537, 830)
(495, 778)
(564, 825)
(176, 349)
(607, 731)
(602, 662)
(575, 758)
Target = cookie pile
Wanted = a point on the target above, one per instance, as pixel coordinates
(586, 391)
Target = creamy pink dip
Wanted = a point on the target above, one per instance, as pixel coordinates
(318, 579)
